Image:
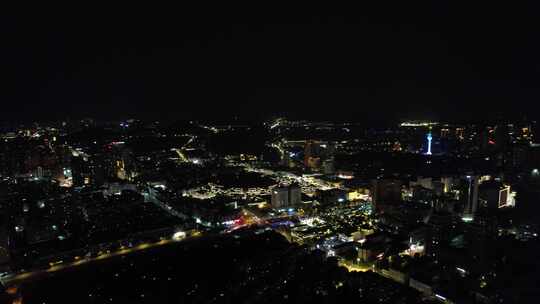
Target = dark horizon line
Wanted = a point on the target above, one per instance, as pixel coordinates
(245, 118)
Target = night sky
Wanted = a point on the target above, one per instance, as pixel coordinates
(363, 64)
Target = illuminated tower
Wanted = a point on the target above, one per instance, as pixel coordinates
(429, 138)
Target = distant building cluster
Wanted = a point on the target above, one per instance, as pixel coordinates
(419, 204)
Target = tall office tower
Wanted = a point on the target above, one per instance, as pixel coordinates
(471, 196)
(78, 170)
(295, 195)
(329, 150)
(328, 166)
(286, 196)
(311, 155)
(280, 197)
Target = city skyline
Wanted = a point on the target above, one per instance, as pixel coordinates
(387, 153)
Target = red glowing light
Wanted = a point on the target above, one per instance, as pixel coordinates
(239, 221)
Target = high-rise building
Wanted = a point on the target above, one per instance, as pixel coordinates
(280, 197)
(328, 166)
(286, 196)
(87, 170)
(494, 195)
(295, 195)
(77, 170)
(96, 168)
(312, 159)
(533, 157)
(471, 195)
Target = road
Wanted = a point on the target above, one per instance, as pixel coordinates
(17, 278)
(152, 197)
